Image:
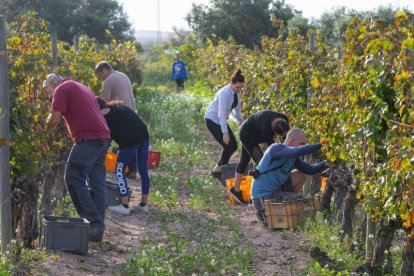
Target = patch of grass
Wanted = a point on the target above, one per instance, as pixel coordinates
(317, 270)
(64, 207)
(5, 265)
(324, 233)
(20, 260)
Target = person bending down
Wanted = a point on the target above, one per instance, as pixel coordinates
(258, 128)
(227, 102)
(275, 179)
(131, 134)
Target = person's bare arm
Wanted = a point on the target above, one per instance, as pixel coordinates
(52, 120)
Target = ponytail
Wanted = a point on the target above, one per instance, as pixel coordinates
(237, 77)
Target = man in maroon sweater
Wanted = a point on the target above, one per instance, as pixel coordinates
(78, 106)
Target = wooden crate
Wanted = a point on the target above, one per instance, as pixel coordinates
(316, 203)
(287, 215)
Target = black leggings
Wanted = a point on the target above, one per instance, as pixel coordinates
(229, 149)
(250, 149)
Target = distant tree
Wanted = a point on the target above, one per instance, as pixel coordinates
(300, 22)
(69, 17)
(386, 14)
(245, 20)
(333, 24)
(179, 37)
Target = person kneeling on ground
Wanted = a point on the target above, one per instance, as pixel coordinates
(131, 134)
(274, 178)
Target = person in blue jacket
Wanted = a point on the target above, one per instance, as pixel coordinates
(179, 74)
(273, 176)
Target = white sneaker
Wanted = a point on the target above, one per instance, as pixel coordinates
(141, 209)
(120, 209)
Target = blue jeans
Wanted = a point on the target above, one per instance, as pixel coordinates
(124, 158)
(86, 163)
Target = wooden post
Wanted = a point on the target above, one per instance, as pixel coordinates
(76, 42)
(370, 238)
(312, 50)
(96, 47)
(307, 186)
(312, 40)
(53, 37)
(5, 204)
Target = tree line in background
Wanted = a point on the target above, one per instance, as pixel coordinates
(99, 19)
(245, 21)
(248, 21)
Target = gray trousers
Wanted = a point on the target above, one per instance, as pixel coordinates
(86, 166)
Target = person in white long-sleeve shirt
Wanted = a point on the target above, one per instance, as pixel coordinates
(226, 103)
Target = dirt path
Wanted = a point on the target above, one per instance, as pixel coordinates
(277, 252)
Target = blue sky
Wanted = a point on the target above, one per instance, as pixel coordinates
(143, 13)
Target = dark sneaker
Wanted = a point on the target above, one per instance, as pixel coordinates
(237, 195)
(96, 233)
(216, 174)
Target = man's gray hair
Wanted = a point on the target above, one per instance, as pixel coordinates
(53, 78)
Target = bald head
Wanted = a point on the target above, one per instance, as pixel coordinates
(295, 137)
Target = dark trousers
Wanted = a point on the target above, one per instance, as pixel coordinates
(140, 152)
(250, 149)
(132, 165)
(87, 162)
(180, 83)
(229, 149)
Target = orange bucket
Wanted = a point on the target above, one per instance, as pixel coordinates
(245, 187)
(110, 162)
(324, 183)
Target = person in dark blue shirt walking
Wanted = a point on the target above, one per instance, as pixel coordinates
(179, 74)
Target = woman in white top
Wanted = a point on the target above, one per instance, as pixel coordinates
(226, 103)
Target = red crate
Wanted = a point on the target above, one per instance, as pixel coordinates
(153, 159)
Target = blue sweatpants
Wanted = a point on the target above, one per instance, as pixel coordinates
(124, 158)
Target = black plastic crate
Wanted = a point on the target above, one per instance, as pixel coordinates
(112, 195)
(229, 171)
(65, 234)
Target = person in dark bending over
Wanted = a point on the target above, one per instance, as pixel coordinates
(131, 134)
(257, 129)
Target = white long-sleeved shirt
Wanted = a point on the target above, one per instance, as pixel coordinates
(220, 110)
